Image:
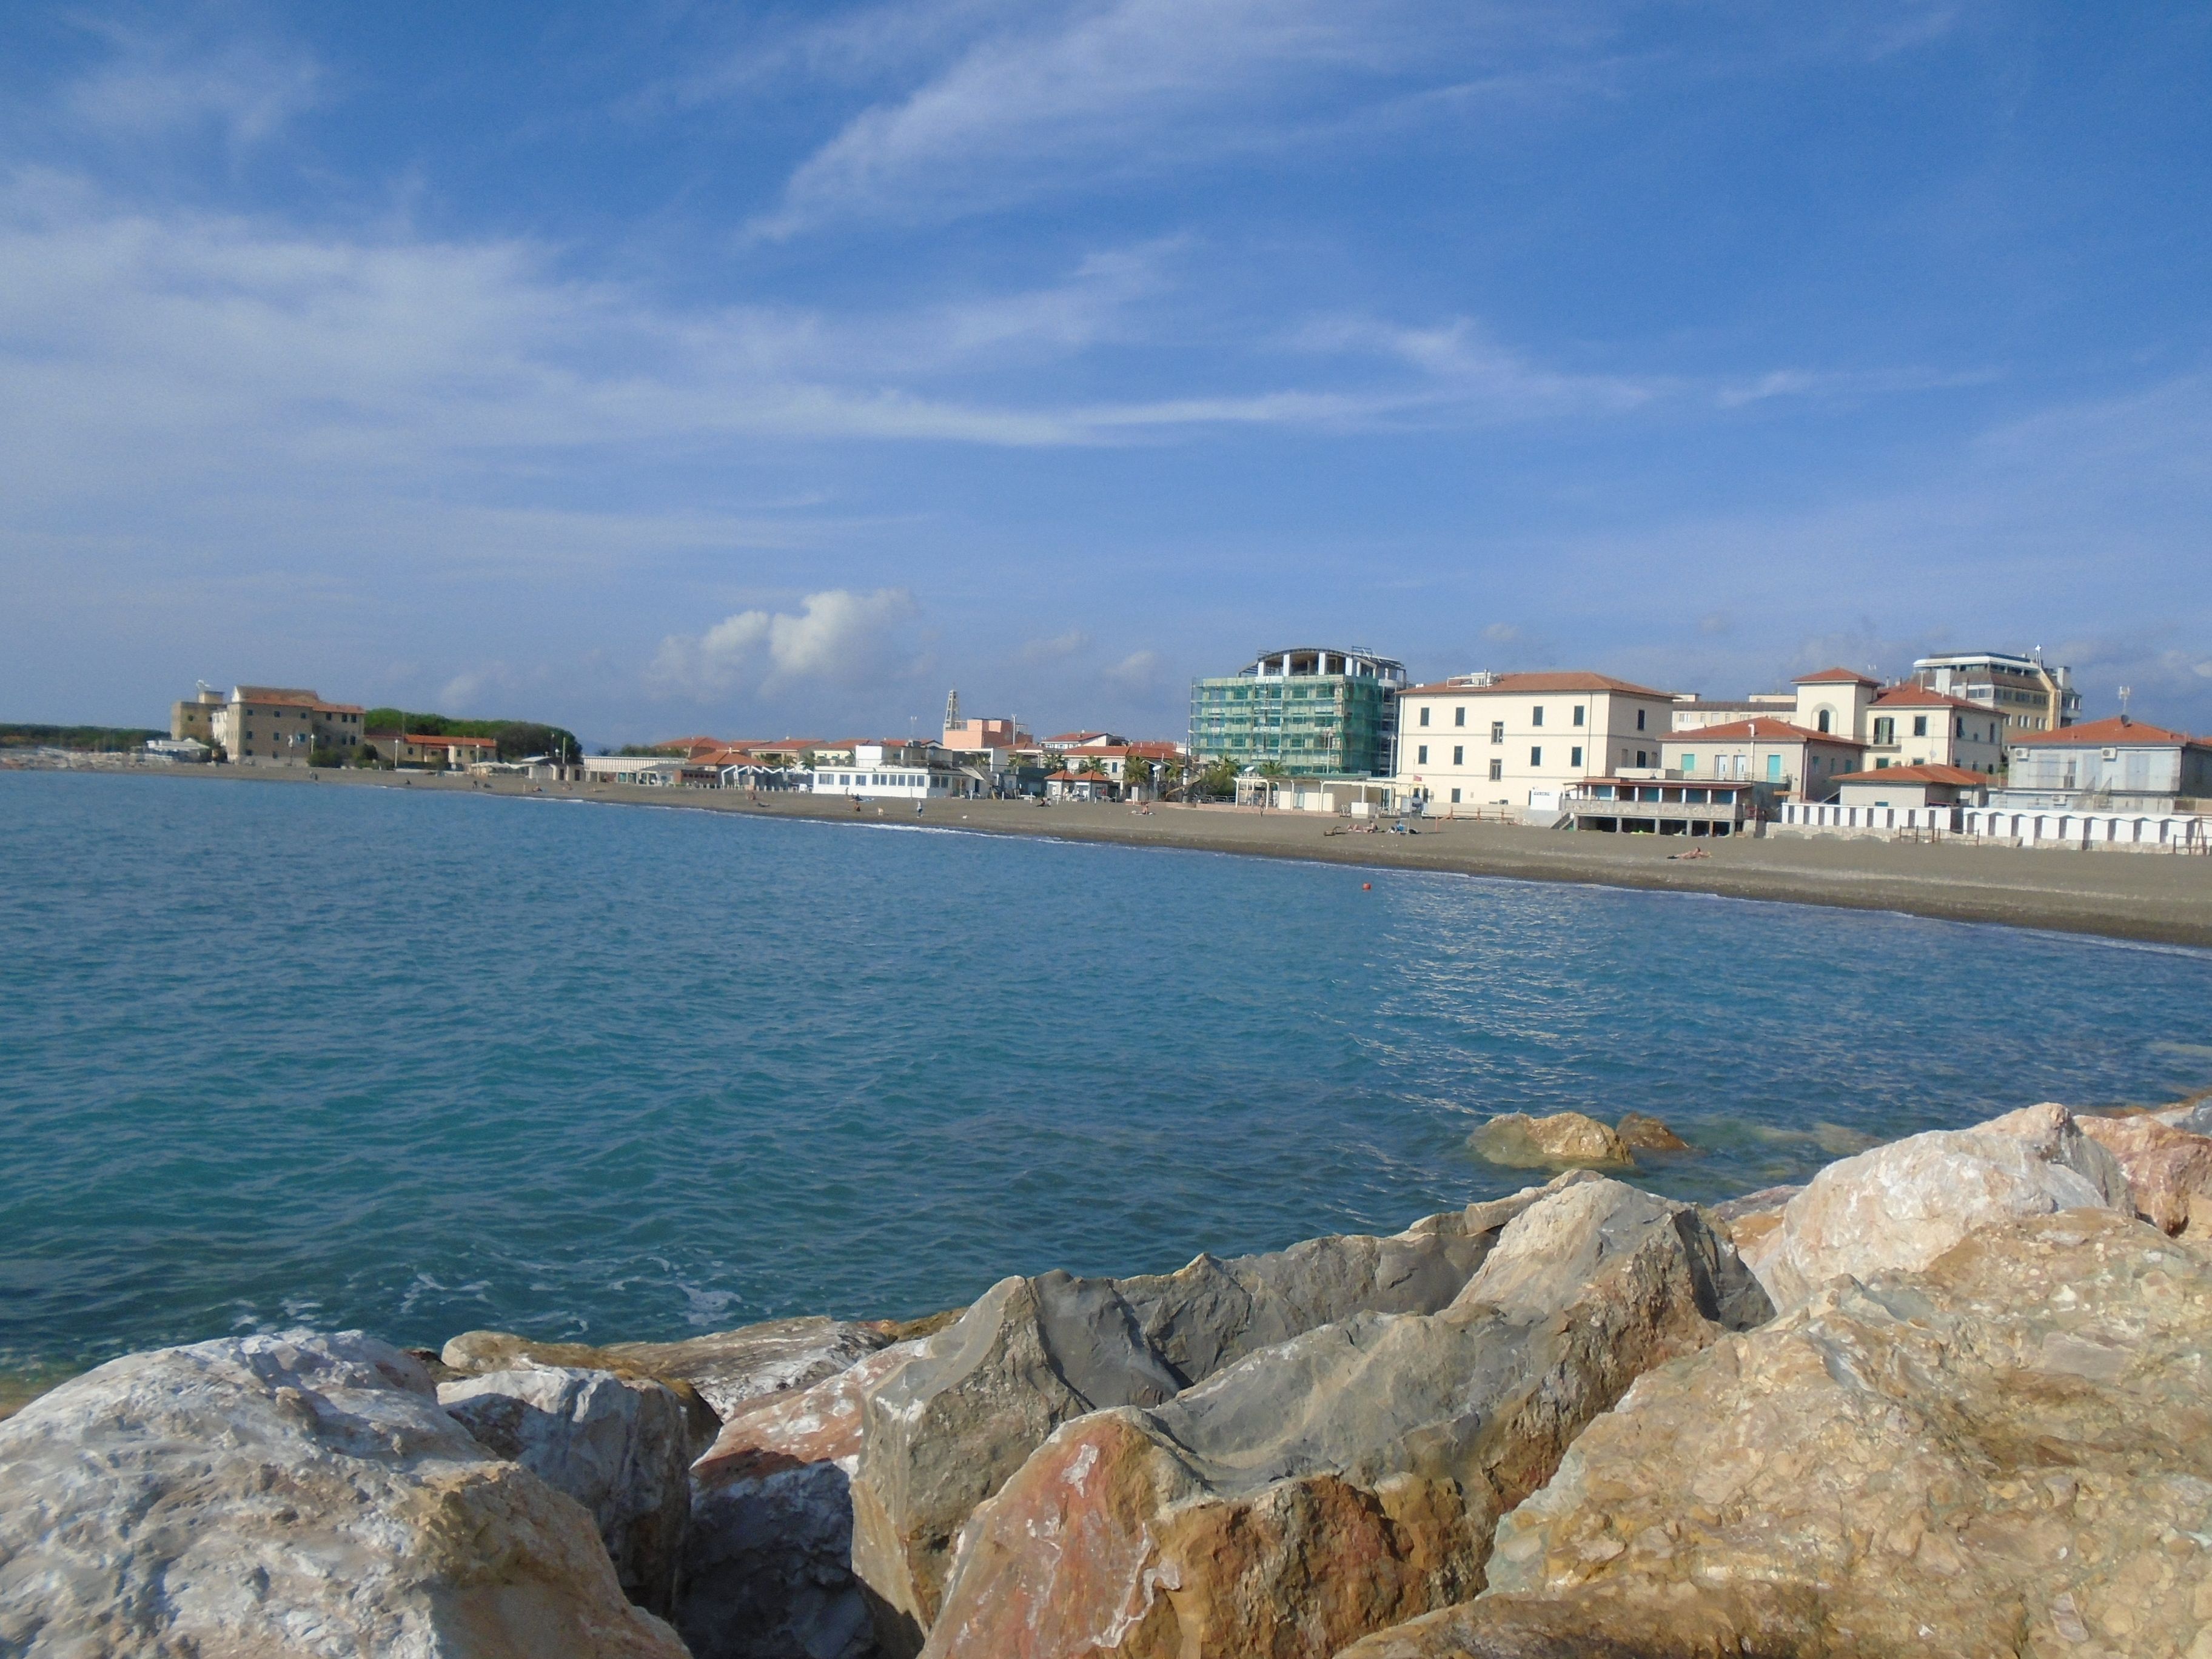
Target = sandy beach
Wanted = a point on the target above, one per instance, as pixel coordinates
(2159, 898)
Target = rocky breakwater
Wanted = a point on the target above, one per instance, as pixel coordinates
(1347, 1478)
(1563, 1423)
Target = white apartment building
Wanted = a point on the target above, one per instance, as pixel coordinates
(2024, 692)
(1497, 739)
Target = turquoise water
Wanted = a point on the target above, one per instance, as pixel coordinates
(420, 1062)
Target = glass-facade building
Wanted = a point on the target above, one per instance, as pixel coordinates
(1316, 711)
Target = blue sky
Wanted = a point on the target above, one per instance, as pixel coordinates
(673, 368)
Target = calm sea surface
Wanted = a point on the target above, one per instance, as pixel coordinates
(422, 1062)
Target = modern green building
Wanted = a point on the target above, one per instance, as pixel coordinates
(1316, 711)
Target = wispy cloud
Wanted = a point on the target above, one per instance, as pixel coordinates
(1057, 649)
(1106, 89)
(161, 84)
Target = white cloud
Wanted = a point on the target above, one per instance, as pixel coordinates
(1501, 633)
(835, 636)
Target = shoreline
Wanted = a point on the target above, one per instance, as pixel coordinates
(2150, 898)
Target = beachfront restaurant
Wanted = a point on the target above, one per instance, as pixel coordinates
(1657, 806)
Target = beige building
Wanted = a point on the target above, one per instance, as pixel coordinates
(1691, 713)
(1835, 702)
(433, 749)
(1779, 756)
(1918, 784)
(267, 724)
(1497, 739)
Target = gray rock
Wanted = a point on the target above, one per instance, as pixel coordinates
(299, 1495)
(767, 1569)
(949, 1427)
(618, 1446)
(1350, 1477)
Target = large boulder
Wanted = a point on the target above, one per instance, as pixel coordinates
(297, 1495)
(1348, 1478)
(1514, 1140)
(2169, 1170)
(1903, 1205)
(947, 1429)
(2010, 1452)
(619, 1446)
(767, 1569)
(727, 1369)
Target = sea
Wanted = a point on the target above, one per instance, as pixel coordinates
(419, 1062)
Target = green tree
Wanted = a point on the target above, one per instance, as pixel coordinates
(1217, 780)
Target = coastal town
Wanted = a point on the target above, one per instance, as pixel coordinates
(1989, 746)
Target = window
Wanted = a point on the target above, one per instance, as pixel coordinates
(1774, 769)
(1640, 760)
(1885, 729)
(1425, 714)
(1639, 718)
(1578, 714)
(1459, 716)
(1497, 771)
(1454, 797)
(1497, 731)
(1920, 726)
(1536, 758)
(1536, 716)
(1421, 754)
(1689, 762)
(1459, 756)
(1824, 720)
(1574, 756)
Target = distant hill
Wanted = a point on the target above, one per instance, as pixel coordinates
(112, 738)
(515, 738)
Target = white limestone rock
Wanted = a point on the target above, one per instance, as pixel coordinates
(1900, 1207)
(619, 1446)
(302, 1496)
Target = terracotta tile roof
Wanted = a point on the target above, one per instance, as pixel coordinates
(1837, 677)
(2115, 731)
(1568, 679)
(285, 694)
(1909, 695)
(1928, 772)
(1762, 729)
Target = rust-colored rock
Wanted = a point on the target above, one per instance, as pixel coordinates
(2008, 1452)
(1331, 1485)
(2170, 1169)
(1640, 1133)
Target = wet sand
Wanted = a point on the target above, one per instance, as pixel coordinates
(2162, 898)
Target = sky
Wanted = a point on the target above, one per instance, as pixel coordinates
(761, 370)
